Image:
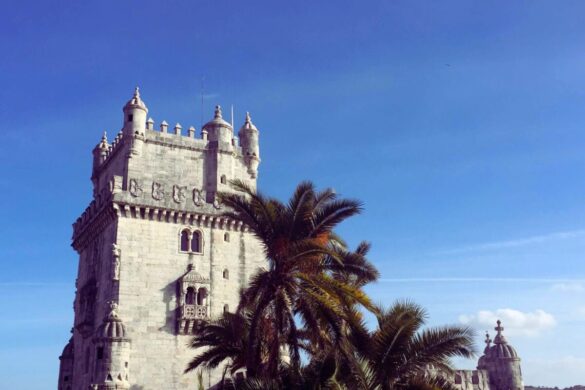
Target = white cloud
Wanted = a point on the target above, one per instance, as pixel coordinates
(573, 287)
(507, 244)
(515, 322)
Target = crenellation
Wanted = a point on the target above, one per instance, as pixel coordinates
(164, 126)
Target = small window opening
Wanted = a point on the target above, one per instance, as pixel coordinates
(109, 378)
(475, 379)
(458, 379)
(196, 242)
(190, 296)
(185, 241)
(130, 118)
(223, 179)
(201, 297)
(226, 274)
(226, 308)
(126, 364)
(66, 378)
(226, 237)
(100, 353)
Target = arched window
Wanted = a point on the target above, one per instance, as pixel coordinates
(458, 380)
(223, 179)
(226, 274)
(475, 378)
(226, 308)
(226, 237)
(196, 242)
(202, 297)
(190, 296)
(185, 240)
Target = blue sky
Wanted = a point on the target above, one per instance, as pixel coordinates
(459, 124)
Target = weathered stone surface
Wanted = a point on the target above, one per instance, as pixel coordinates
(149, 187)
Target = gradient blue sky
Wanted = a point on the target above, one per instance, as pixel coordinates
(460, 124)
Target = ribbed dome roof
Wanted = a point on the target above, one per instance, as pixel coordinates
(217, 120)
(136, 102)
(112, 328)
(68, 350)
(501, 349)
(193, 276)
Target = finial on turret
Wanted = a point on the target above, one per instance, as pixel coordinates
(113, 310)
(248, 118)
(217, 111)
(137, 92)
(104, 141)
(499, 339)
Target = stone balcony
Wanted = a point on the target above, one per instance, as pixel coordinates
(189, 317)
(194, 312)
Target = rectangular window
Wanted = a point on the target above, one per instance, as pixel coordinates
(130, 118)
(100, 353)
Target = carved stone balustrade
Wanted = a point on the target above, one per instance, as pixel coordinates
(194, 312)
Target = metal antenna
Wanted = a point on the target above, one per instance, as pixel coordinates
(232, 116)
(201, 124)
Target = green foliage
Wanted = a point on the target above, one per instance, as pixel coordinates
(310, 301)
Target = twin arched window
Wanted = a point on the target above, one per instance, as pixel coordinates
(193, 297)
(190, 241)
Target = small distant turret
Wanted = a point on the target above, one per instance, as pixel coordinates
(135, 115)
(100, 152)
(502, 363)
(66, 367)
(112, 352)
(219, 130)
(250, 147)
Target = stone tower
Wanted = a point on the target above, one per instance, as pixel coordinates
(501, 362)
(155, 253)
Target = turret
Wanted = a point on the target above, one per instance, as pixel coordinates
(135, 115)
(100, 153)
(219, 131)
(250, 147)
(112, 347)
(502, 363)
(66, 367)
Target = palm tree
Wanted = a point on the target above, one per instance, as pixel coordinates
(401, 355)
(311, 276)
(224, 340)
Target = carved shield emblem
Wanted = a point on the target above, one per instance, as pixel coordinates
(158, 190)
(179, 193)
(135, 188)
(197, 197)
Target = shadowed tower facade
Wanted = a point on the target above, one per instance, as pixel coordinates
(155, 253)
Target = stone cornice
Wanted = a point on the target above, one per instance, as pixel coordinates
(95, 219)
